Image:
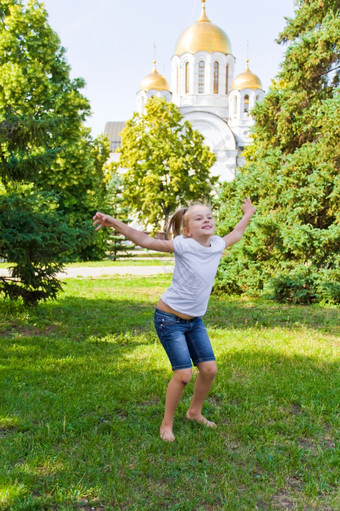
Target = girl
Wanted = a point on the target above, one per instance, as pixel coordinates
(178, 313)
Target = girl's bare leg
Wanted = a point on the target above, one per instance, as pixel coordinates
(180, 379)
(204, 381)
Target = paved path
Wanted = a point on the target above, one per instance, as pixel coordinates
(114, 270)
(106, 271)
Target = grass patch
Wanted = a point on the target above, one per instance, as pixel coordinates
(82, 394)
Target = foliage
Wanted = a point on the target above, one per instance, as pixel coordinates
(118, 246)
(164, 162)
(292, 169)
(303, 285)
(42, 137)
(35, 237)
(41, 108)
(79, 179)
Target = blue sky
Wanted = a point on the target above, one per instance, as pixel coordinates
(110, 43)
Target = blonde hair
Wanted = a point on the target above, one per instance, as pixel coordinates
(180, 219)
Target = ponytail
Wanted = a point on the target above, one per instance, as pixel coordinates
(175, 225)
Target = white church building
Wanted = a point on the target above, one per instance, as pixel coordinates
(208, 95)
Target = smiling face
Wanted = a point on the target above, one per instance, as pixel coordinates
(199, 224)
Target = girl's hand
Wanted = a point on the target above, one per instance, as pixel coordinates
(102, 220)
(247, 207)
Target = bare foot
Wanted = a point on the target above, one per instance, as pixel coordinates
(200, 419)
(166, 434)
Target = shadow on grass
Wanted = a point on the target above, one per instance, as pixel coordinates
(236, 312)
(81, 317)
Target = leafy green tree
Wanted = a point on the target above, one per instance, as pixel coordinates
(35, 89)
(292, 170)
(42, 137)
(165, 163)
(51, 169)
(78, 178)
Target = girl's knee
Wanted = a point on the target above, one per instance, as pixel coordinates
(183, 375)
(208, 369)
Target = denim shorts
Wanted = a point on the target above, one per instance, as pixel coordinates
(183, 339)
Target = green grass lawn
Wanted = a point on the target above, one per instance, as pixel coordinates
(82, 391)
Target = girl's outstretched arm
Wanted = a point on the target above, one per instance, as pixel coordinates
(236, 234)
(139, 238)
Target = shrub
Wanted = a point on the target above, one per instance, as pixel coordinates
(35, 237)
(305, 285)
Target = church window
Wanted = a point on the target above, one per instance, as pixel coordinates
(201, 69)
(216, 77)
(226, 78)
(235, 106)
(187, 78)
(246, 103)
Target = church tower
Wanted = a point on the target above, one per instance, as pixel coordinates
(246, 91)
(202, 68)
(154, 84)
(201, 77)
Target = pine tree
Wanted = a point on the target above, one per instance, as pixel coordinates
(292, 169)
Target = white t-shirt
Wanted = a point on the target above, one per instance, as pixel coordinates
(194, 273)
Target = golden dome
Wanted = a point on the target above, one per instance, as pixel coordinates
(246, 80)
(154, 80)
(203, 36)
